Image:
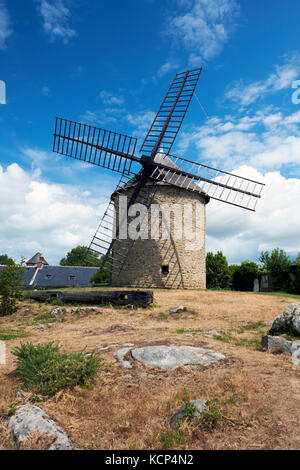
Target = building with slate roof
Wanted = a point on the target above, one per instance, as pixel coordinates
(40, 275)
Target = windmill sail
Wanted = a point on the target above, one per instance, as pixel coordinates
(217, 184)
(94, 145)
(168, 120)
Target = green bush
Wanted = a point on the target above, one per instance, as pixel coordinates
(218, 275)
(44, 370)
(11, 280)
(243, 276)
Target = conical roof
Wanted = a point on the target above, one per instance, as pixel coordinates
(37, 259)
(169, 178)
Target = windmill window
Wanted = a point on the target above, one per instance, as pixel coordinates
(165, 269)
(48, 276)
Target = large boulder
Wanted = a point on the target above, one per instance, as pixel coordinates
(169, 357)
(29, 419)
(288, 321)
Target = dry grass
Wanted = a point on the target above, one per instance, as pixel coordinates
(256, 394)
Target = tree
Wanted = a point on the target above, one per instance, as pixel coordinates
(218, 274)
(77, 257)
(244, 275)
(103, 276)
(4, 259)
(11, 280)
(278, 264)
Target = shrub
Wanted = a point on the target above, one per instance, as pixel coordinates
(218, 274)
(11, 281)
(244, 275)
(44, 370)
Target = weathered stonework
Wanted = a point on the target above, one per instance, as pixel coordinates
(148, 258)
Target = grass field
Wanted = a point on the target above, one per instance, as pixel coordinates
(254, 395)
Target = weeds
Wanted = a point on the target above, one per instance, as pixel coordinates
(44, 370)
(212, 416)
(189, 407)
(172, 438)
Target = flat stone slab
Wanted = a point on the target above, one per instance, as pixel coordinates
(28, 419)
(169, 357)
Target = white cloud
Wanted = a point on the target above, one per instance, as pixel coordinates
(167, 67)
(242, 235)
(280, 79)
(56, 17)
(265, 140)
(141, 122)
(110, 99)
(5, 25)
(38, 216)
(202, 27)
(46, 91)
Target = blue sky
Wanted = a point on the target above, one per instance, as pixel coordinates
(109, 64)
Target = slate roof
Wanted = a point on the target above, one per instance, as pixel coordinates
(58, 276)
(64, 276)
(185, 183)
(36, 259)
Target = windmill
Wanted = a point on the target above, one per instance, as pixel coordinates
(155, 176)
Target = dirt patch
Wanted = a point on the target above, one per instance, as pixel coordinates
(257, 393)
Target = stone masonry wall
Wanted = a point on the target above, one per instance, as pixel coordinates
(185, 261)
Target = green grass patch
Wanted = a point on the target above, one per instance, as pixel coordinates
(7, 334)
(181, 331)
(253, 343)
(45, 370)
(279, 294)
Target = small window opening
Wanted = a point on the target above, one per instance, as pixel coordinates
(72, 278)
(165, 269)
(48, 276)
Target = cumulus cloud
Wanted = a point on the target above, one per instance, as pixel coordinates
(281, 78)
(242, 235)
(56, 16)
(110, 99)
(39, 216)
(5, 25)
(266, 140)
(202, 27)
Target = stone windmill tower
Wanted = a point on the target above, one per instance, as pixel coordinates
(171, 251)
(153, 230)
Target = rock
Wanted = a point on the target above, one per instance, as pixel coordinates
(169, 357)
(57, 311)
(41, 327)
(181, 413)
(280, 344)
(213, 333)
(28, 419)
(176, 309)
(144, 374)
(119, 355)
(289, 320)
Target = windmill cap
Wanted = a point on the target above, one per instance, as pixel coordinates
(182, 182)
